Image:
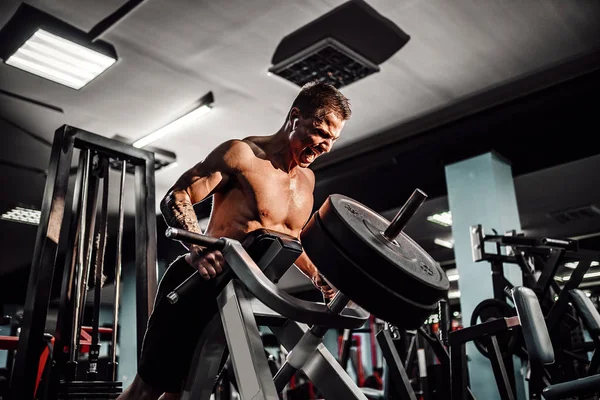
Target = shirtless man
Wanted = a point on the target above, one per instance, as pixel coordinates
(257, 182)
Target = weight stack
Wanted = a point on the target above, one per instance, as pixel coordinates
(90, 390)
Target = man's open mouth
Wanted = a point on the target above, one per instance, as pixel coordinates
(309, 155)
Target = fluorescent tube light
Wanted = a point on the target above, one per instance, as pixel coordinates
(23, 215)
(173, 126)
(444, 219)
(586, 276)
(454, 294)
(59, 60)
(452, 274)
(574, 264)
(444, 243)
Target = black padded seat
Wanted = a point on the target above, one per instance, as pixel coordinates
(578, 387)
(535, 332)
(586, 310)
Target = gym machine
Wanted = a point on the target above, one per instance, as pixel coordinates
(249, 298)
(243, 307)
(538, 345)
(67, 249)
(510, 325)
(539, 260)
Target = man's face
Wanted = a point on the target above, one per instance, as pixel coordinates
(311, 137)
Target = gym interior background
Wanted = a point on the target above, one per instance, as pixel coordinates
(465, 78)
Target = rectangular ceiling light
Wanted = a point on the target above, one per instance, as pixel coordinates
(43, 45)
(59, 60)
(23, 215)
(444, 243)
(174, 126)
(443, 219)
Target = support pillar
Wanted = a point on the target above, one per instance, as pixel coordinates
(481, 191)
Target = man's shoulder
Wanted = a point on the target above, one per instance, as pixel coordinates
(238, 152)
(238, 148)
(308, 174)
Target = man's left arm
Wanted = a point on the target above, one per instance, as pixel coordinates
(308, 268)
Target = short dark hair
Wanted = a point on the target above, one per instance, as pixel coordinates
(317, 99)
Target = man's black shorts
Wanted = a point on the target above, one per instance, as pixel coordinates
(174, 329)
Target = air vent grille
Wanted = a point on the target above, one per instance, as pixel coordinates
(326, 61)
(575, 214)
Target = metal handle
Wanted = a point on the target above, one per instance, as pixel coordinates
(190, 284)
(405, 213)
(244, 268)
(195, 238)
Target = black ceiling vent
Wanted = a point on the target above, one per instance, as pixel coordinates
(341, 47)
(575, 214)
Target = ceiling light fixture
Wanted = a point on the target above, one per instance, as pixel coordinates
(454, 294)
(43, 45)
(59, 60)
(574, 264)
(23, 215)
(444, 243)
(452, 274)
(174, 126)
(443, 219)
(586, 276)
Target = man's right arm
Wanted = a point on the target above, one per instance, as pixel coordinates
(178, 211)
(201, 181)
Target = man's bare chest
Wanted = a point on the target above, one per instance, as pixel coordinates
(278, 198)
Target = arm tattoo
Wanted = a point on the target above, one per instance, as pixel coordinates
(179, 213)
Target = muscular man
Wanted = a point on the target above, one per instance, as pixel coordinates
(257, 182)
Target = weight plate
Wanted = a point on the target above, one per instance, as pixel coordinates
(491, 309)
(402, 264)
(341, 271)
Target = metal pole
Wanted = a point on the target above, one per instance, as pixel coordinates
(91, 244)
(31, 338)
(117, 284)
(306, 345)
(146, 274)
(94, 353)
(69, 261)
(80, 256)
